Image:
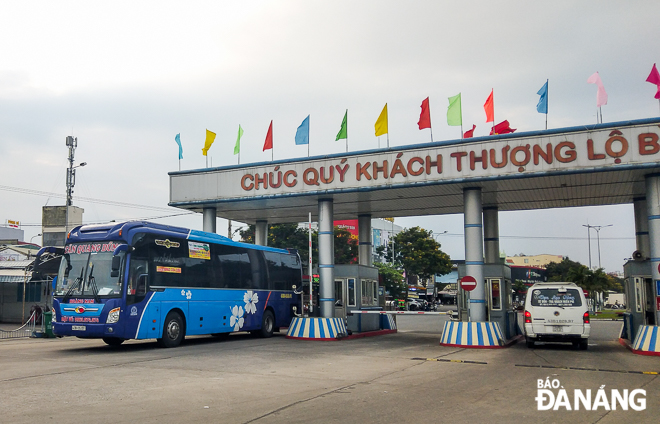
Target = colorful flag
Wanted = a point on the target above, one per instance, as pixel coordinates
(425, 115)
(489, 107)
(454, 111)
(237, 146)
(542, 106)
(381, 122)
(343, 131)
(502, 128)
(210, 138)
(178, 141)
(601, 95)
(302, 134)
(268, 144)
(654, 78)
(470, 133)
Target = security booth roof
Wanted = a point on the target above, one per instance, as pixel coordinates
(603, 164)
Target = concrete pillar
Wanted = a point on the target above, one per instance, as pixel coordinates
(261, 233)
(474, 251)
(326, 259)
(491, 235)
(364, 237)
(642, 227)
(653, 208)
(208, 220)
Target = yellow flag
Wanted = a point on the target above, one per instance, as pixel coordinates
(381, 123)
(210, 138)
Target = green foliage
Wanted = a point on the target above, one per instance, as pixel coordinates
(290, 236)
(417, 252)
(559, 271)
(392, 279)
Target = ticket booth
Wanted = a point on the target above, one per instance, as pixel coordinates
(499, 300)
(356, 288)
(642, 300)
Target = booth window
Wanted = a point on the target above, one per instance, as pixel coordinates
(351, 292)
(495, 295)
(369, 293)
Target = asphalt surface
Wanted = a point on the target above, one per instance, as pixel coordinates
(404, 377)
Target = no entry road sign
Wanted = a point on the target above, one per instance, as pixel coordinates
(468, 283)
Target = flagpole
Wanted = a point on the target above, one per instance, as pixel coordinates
(347, 130)
(547, 101)
(179, 164)
(430, 126)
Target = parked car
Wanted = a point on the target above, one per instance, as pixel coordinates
(556, 312)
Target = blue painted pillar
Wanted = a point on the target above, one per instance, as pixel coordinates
(642, 227)
(474, 251)
(364, 237)
(326, 259)
(653, 208)
(491, 235)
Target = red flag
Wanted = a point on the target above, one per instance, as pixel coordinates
(268, 144)
(502, 128)
(654, 78)
(470, 133)
(425, 116)
(489, 107)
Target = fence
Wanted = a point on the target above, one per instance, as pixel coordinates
(26, 330)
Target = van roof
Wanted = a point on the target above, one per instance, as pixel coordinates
(555, 283)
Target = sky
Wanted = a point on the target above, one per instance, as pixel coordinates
(125, 77)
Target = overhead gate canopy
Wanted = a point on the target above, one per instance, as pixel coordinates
(602, 164)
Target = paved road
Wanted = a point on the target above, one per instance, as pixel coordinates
(405, 377)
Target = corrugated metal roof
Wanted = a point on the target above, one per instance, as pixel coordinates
(15, 264)
(11, 279)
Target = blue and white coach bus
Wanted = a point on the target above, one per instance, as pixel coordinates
(140, 280)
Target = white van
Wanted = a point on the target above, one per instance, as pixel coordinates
(556, 312)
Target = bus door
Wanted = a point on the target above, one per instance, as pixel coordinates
(137, 299)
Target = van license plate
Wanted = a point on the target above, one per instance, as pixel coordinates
(557, 329)
(78, 327)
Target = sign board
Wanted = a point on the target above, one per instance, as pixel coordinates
(13, 224)
(468, 283)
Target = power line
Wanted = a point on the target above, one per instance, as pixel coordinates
(84, 199)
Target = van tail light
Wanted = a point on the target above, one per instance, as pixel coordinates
(585, 318)
(528, 317)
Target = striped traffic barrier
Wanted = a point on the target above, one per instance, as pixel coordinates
(646, 342)
(484, 335)
(310, 328)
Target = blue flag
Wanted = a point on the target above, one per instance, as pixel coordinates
(302, 134)
(542, 106)
(178, 141)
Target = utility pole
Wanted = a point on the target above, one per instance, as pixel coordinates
(72, 143)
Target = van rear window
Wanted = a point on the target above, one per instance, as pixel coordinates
(552, 297)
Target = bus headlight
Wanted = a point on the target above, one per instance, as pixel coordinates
(54, 316)
(113, 316)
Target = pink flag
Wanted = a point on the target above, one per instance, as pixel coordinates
(470, 133)
(601, 95)
(654, 78)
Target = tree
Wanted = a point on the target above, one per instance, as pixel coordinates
(559, 271)
(291, 236)
(392, 279)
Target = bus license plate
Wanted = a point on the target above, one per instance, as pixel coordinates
(78, 327)
(557, 329)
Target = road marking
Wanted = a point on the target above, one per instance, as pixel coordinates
(588, 369)
(450, 360)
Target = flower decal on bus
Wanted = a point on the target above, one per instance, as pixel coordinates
(251, 299)
(236, 319)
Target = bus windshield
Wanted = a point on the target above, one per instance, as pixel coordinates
(87, 274)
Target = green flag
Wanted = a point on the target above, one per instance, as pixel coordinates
(237, 147)
(343, 131)
(454, 112)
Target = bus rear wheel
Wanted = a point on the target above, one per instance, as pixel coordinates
(113, 341)
(173, 331)
(267, 324)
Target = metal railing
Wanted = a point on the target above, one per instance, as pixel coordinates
(26, 330)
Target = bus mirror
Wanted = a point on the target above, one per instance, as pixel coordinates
(116, 262)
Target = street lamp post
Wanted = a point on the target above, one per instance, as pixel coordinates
(38, 235)
(597, 228)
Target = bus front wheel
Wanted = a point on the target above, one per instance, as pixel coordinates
(113, 341)
(173, 331)
(267, 324)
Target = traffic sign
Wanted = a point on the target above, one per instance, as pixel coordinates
(468, 283)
